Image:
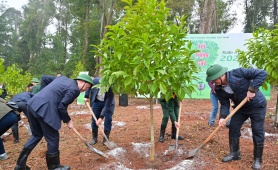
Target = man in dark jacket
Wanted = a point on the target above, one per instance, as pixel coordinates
(103, 105)
(237, 85)
(46, 110)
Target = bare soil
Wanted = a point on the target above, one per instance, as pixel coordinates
(131, 133)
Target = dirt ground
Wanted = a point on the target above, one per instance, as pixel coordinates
(131, 133)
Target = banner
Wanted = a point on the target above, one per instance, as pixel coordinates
(217, 49)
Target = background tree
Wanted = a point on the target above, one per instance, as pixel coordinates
(146, 54)
(257, 13)
(262, 53)
(212, 16)
(14, 78)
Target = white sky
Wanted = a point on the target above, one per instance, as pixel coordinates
(238, 6)
(17, 4)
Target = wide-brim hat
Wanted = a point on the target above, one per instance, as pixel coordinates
(36, 80)
(215, 71)
(84, 77)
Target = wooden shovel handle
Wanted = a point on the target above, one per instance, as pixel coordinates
(92, 113)
(226, 119)
(79, 135)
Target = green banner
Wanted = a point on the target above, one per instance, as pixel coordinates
(217, 49)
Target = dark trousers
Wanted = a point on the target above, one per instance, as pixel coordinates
(6, 122)
(170, 110)
(22, 108)
(257, 116)
(41, 129)
(97, 107)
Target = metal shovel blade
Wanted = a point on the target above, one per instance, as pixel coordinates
(110, 144)
(96, 151)
(193, 152)
(173, 147)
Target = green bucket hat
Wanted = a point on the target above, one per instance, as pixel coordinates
(84, 77)
(215, 71)
(36, 80)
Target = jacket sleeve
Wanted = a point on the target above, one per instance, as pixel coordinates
(108, 102)
(69, 97)
(45, 80)
(256, 75)
(87, 93)
(224, 107)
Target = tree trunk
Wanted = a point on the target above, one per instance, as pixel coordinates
(152, 152)
(275, 12)
(207, 16)
(103, 24)
(86, 41)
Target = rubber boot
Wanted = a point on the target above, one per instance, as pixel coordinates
(53, 162)
(162, 133)
(95, 134)
(15, 132)
(107, 133)
(234, 150)
(22, 159)
(174, 132)
(258, 153)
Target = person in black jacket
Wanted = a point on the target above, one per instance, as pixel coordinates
(46, 111)
(237, 85)
(103, 105)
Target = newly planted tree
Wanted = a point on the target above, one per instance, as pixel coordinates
(262, 52)
(146, 54)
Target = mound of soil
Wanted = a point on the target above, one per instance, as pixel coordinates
(131, 133)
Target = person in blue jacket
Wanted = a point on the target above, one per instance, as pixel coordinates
(21, 100)
(237, 85)
(103, 105)
(7, 118)
(46, 110)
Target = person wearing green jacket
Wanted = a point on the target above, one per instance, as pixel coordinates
(170, 110)
(36, 85)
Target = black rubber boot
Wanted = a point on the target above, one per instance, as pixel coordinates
(174, 132)
(162, 133)
(234, 150)
(22, 159)
(95, 134)
(53, 162)
(258, 153)
(107, 133)
(15, 132)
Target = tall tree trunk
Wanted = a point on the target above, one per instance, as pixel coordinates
(275, 11)
(104, 22)
(207, 16)
(86, 41)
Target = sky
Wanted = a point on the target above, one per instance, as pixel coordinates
(17, 4)
(238, 6)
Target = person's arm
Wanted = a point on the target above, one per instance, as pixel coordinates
(108, 102)
(256, 75)
(45, 80)
(69, 97)
(87, 95)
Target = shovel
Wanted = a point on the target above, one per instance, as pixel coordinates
(109, 144)
(172, 147)
(89, 146)
(193, 152)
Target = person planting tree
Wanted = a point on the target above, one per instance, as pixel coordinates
(237, 85)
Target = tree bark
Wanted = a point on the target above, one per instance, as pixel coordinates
(207, 17)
